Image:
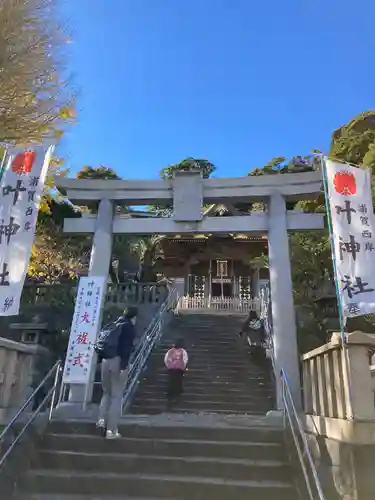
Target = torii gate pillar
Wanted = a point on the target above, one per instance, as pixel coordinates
(283, 315)
(100, 260)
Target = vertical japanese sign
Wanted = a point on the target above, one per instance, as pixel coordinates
(353, 227)
(21, 188)
(84, 330)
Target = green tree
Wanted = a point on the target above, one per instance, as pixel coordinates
(35, 100)
(100, 172)
(279, 165)
(204, 166)
(55, 256)
(147, 250)
(354, 143)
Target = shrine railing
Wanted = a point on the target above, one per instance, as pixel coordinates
(223, 304)
(338, 381)
(118, 295)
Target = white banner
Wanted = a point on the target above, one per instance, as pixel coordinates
(84, 330)
(21, 188)
(353, 225)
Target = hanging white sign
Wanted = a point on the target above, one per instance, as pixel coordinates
(21, 188)
(353, 227)
(84, 330)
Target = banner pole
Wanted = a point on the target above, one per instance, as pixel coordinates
(2, 163)
(345, 353)
(333, 253)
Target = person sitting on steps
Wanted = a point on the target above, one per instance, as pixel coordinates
(176, 361)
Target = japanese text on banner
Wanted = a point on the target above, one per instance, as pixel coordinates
(84, 330)
(353, 226)
(21, 188)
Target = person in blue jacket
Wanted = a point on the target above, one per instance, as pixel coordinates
(114, 374)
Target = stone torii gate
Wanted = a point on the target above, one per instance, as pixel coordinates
(188, 192)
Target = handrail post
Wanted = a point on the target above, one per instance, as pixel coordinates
(55, 382)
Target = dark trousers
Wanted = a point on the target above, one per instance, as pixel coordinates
(258, 355)
(175, 383)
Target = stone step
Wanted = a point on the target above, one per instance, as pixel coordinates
(206, 350)
(195, 402)
(206, 377)
(202, 368)
(159, 393)
(162, 486)
(200, 383)
(146, 389)
(199, 405)
(139, 409)
(203, 394)
(227, 352)
(241, 469)
(57, 496)
(196, 340)
(213, 390)
(244, 383)
(251, 450)
(218, 322)
(217, 430)
(220, 394)
(214, 350)
(219, 358)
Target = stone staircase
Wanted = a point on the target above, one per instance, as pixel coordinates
(204, 448)
(221, 377)
(169, 460)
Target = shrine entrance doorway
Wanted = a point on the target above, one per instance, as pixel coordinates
(221, 288)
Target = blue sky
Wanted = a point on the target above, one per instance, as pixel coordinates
(233, 81)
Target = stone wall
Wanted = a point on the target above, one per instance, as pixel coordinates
(345, 466)
(16, 362)
(340, 415)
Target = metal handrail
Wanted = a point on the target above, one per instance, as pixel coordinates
(289, 408)
(147, 344)
(54, 372)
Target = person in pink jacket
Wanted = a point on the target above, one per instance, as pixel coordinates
(176, 360)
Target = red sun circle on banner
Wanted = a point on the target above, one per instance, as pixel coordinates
(23, 163)
(344, 183)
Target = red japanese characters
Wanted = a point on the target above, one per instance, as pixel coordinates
(344, 183)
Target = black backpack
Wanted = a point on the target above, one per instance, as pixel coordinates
(106, 345)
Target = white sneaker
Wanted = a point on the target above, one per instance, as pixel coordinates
(100, 424)
(113, 435)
